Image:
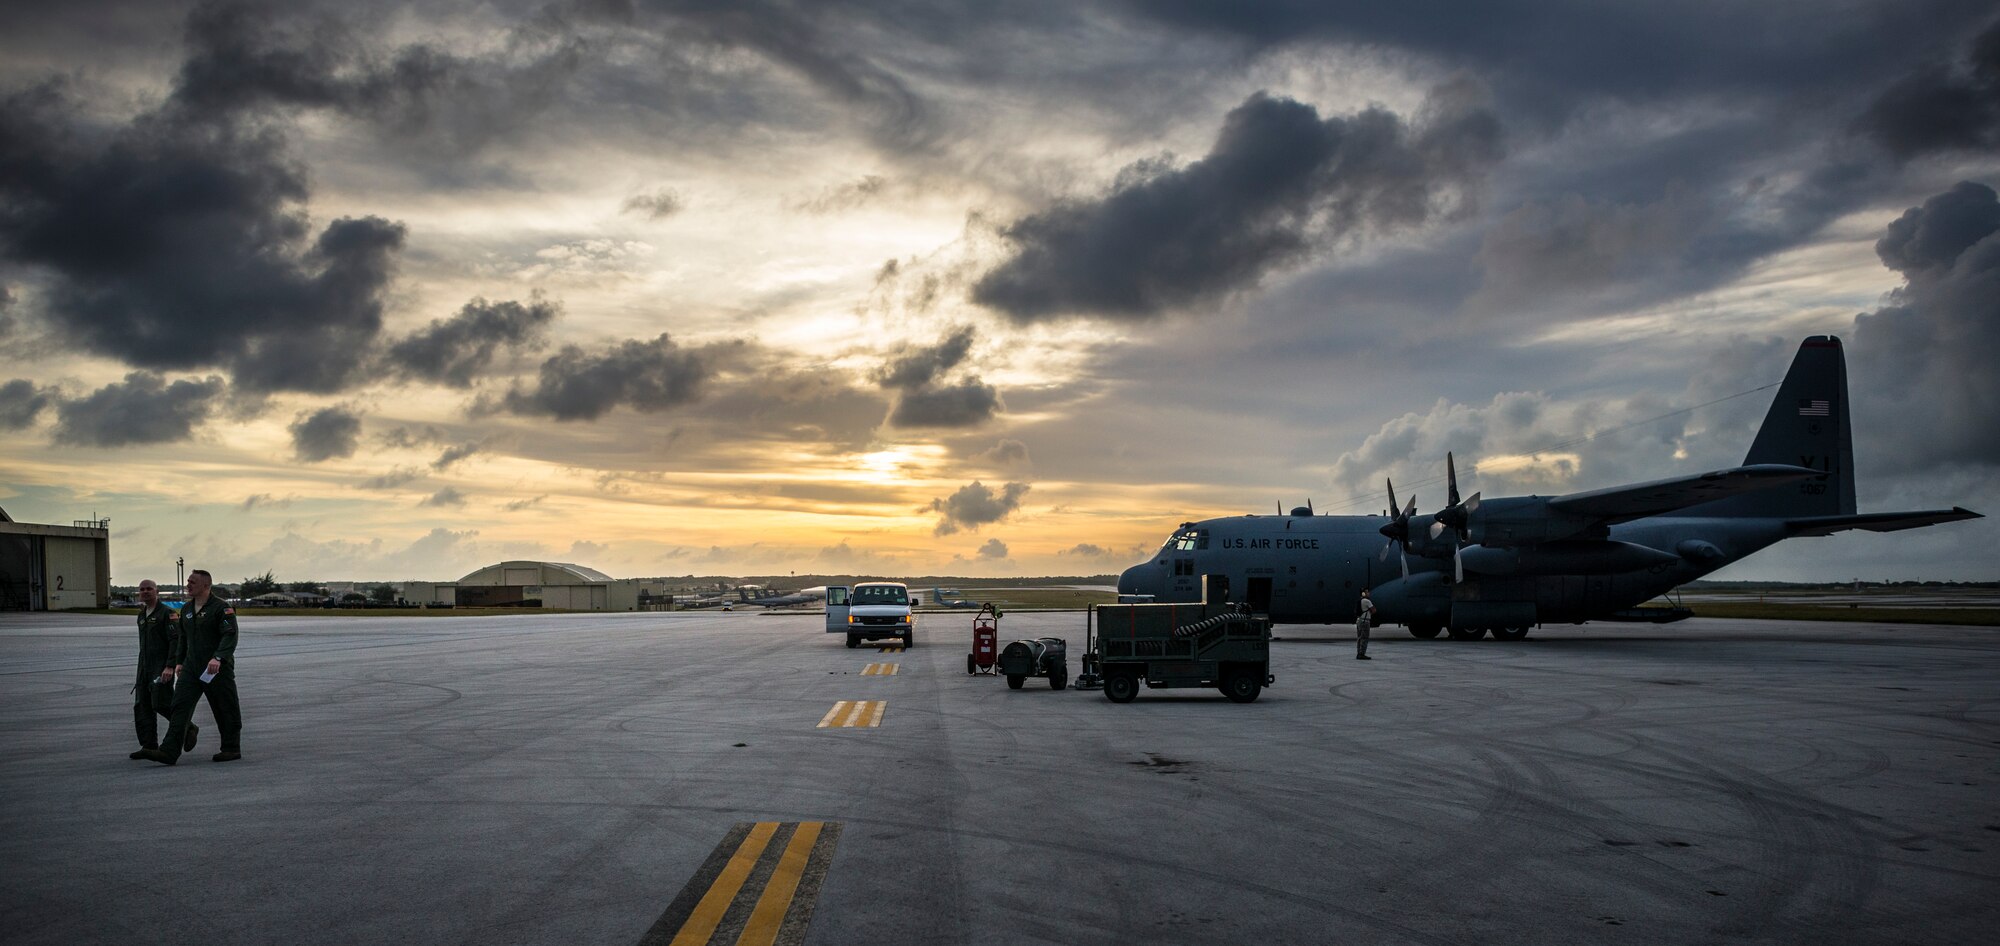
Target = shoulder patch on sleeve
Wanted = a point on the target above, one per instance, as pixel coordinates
(229, 610)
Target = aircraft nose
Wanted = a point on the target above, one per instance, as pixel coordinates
(1133, 581)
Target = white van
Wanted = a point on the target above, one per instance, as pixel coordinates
(871, 610)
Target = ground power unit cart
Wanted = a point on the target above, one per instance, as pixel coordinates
(1182, 645)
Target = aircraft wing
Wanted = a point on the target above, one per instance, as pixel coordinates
(1624, 503)
(1879, 521)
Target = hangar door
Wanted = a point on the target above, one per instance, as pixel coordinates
(70, 567)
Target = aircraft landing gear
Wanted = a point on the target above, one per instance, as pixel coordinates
(1467, 633)
(1425, 631)
(1510, 633)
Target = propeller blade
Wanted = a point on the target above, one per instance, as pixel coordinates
(1472, 505)
(1458, 564)
(1451, 479)
(1437, 528)
(1392, 495)
(1405, 559)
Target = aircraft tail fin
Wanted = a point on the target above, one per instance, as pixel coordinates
(1807, 426)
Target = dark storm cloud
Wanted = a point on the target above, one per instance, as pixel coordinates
(326, 434)
(454, 351)
(658, 205)
(1925, 359)
(1557, 54)
(1941, 106)
(827, 44)
(966, 404)
(914, 366)
(142, 409)
(1278, 183)
(176, 241)
(245, 57)
(922, 399)
(649, 376)
(975, 504)
(21, 402)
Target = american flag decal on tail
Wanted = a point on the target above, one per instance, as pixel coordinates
(1814, 409)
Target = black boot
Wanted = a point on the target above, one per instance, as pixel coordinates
(187, 745)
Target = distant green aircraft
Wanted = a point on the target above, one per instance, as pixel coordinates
(1507, 564)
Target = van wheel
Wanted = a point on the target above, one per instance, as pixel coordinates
(1058, 680)
(853, 641)
(909, 640)
(1014, 681)
(1120, 686)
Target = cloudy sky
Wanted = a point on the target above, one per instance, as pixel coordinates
(383, 290)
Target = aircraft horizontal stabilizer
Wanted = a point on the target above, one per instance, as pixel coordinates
(1878, 521)
(1625, 503)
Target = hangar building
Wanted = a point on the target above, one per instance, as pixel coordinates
(49, 568)
(553, 584)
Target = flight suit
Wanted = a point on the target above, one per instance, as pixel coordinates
(1362, 622)
(157, 633)
(207, 633)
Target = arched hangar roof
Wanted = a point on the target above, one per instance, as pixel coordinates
(535, 573)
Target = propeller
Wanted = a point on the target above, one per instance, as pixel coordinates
(1456, 516)
(1398, 529)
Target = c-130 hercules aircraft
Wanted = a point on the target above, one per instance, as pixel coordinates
(1506, 564)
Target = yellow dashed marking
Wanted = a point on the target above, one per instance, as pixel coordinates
(879, 670)
(890, 649)
(758, 887)
(708, 913)
(854, 714)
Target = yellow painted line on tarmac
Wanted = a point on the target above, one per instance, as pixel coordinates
(890, 649)
(765, 920)
(879, 670)
(708, 913)
(758, 887)
(854, 714)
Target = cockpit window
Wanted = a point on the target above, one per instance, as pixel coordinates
(881, 594)
(1189, 540)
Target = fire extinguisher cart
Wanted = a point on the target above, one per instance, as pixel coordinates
(985, 641)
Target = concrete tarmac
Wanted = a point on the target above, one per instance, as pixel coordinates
(606, 779)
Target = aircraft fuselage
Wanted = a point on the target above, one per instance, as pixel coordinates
(1311, 569)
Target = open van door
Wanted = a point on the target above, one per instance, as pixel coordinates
(836, 609)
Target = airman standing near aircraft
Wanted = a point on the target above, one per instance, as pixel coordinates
(157, 632)
(206, 657)
(1364, 619)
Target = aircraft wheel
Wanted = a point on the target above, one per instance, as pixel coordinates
(1425, 631)
(1467, 633)
(1509, 633)
(1120, 686)
(1014, 681)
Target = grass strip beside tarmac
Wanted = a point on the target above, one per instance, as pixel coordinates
(1777, 611)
